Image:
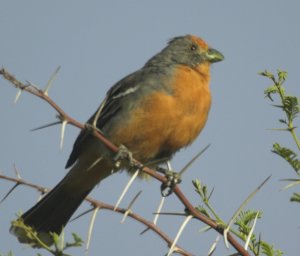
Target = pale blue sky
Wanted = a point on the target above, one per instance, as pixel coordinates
(97, 43)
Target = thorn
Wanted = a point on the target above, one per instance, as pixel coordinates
(40, 197)
(144, 231)
(296, 182)
(214, 246)
(49, 83)
(126, 189)
(205, 228)
(170, 213)
(225, 238)
(130, 206)
(184, 223)
(17, 96)
(45, 126)
(62, 133)
(125, 215)
(210, 194)
(193, 160)
(17, 172)
(157, 161)
(160, 206)
(94, 163)
(97, 115)
(82, 214)
(251, 232)
(169, 166)
(9, 192)
(134, 199)
(259, 242)
(90, 231)
(279, 129)
(237, 212)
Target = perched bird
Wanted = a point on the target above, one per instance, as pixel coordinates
(153, 112)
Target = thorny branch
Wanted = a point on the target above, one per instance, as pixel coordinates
(101, 205)
(64, 117)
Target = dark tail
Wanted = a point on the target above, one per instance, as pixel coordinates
(52, 213)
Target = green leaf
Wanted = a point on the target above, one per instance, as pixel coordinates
(76, 243)
(270, 91)
(295, 198)
(282, 75)
(287, 154)
(291, 107)
(269, 250)
(268, 74)
(55, 238)
(244, 221)
(77, 239)
(202, 210)
(283, 121)
(247, 216)
(201, 190)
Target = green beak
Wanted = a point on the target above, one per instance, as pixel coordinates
(213, 55)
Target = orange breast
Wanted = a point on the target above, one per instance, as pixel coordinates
(167, 122)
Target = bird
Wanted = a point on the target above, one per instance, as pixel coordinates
(154, 112)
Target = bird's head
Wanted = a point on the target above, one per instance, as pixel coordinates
(187, 50)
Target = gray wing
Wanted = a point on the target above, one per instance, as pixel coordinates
(107, 110)
(141, 81)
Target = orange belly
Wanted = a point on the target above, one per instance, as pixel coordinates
(167, 122)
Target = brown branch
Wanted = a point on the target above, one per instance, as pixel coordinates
(102, 205)
(64, 117)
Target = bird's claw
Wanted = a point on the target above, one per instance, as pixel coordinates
(123, 154)
(173, 178)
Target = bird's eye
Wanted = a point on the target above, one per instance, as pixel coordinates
(193, 47)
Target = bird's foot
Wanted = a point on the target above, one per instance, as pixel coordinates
(123, 154)
(173, 178)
